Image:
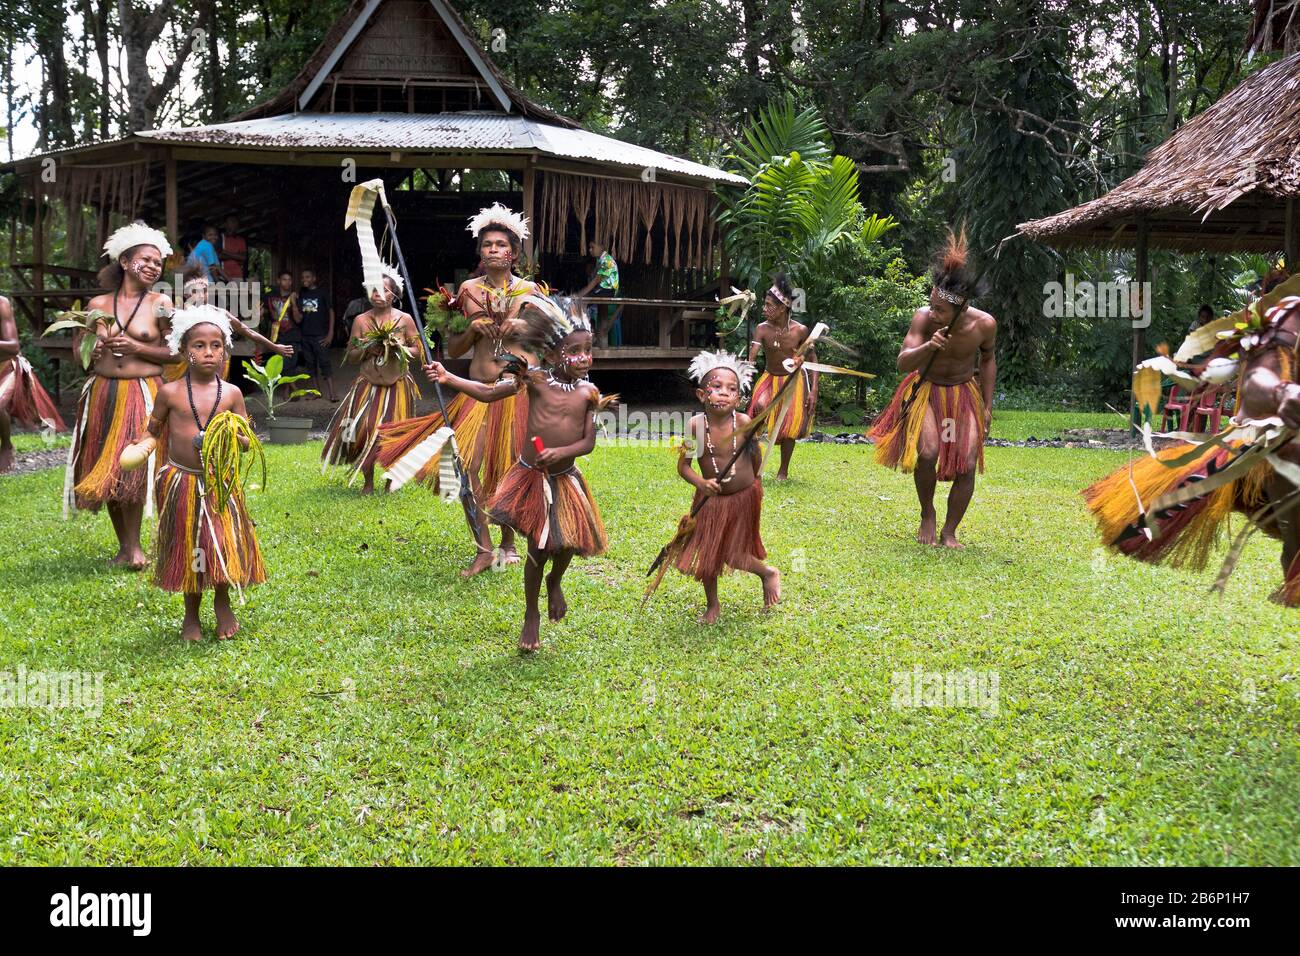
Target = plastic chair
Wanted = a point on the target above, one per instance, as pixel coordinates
(1179, 403)
(1206, 413)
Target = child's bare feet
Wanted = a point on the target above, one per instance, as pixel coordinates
(6, 459)
(771, 586)
(529, 639)
(227, 626)
(710, 615)
(509, 555)
(925, 534)
(368, 488)
(133, 559)
(782, 476)
(949, 539)
(556, 606)
(190, 629)
(482, 561)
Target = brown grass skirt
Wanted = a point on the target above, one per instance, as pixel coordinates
(22, 396)
(198, 546)
(572, 523)
(726, 534)
(367, 407)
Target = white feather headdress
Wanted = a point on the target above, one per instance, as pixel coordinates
(185, 319)
(136, 234)
(548, 321)
(706, 362)
(502, 217)
(392, 273)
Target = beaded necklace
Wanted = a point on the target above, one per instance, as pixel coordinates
(189, 391)
(708, 443)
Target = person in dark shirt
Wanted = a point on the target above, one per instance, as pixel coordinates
(317, 333)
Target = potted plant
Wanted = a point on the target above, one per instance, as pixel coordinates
(284, 430)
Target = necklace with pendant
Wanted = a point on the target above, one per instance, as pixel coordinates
(189, 391)
(708, 442)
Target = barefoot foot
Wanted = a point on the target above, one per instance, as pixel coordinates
(6, 459)
(481, 562)
(190, 629)
(227, 626)
(529, 639)
(949, 539)
(710, 615)
(771, 587)
(782, 476)
(510, 556)
(925, 534)
(556, 606)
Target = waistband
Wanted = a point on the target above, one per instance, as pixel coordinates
(553, 474)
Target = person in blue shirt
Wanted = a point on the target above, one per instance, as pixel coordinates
(205, 253)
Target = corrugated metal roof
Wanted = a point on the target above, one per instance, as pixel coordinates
(477, 131)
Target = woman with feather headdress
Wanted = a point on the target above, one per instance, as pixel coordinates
(936, 424)
(383, 342)
(490, 436)
(130, 324)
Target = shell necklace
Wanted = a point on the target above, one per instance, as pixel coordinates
(708, 443)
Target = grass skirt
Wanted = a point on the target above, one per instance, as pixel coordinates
(494, 432)
(354, 432)
(198, 546)
(568, 522)
(897, 440)
(111, 414)
(798, 423)
(726, 534)
(23, 397)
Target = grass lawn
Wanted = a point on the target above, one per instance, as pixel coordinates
(374, 710)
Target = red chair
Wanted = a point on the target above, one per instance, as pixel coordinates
(1178, 403)
(1212, 407)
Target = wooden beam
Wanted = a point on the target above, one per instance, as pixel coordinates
(1292, 245)
(530, 174)
(171, 199)
(1139, 334)
(38, 247)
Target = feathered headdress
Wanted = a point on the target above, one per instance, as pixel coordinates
(951, 278)
(135, 234)
(547, 322)
(501, 217)
(391, 272)
(706, 362)
(185, 319)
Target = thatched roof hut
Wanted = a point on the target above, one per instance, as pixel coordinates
(1226, 181)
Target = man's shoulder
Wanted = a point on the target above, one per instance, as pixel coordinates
(984, 320)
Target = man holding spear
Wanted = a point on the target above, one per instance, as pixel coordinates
(937, 422)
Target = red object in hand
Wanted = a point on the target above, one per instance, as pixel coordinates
(537, 443)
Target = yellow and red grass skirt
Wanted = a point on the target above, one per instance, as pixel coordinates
(1188, 534)
(23, 397)
(492, 433)
(354, 431)
(727, 533)
(111, 414)
(554, 511)
(798, 422)
(956, 407)
(199, 547)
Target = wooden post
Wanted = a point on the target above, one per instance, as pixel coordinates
(171, 199)
(530, 180)
(1139, 334)
(38, 247)
(1292, 243)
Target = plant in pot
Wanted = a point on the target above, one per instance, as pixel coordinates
(284, 430)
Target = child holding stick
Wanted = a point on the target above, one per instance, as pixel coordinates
(543, 496)
(205, 537)
(726, 533)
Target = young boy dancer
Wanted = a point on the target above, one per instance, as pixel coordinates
(543, 496)
(201, 544)
(726, 534)
(779, 336)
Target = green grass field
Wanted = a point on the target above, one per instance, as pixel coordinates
(374, 709)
